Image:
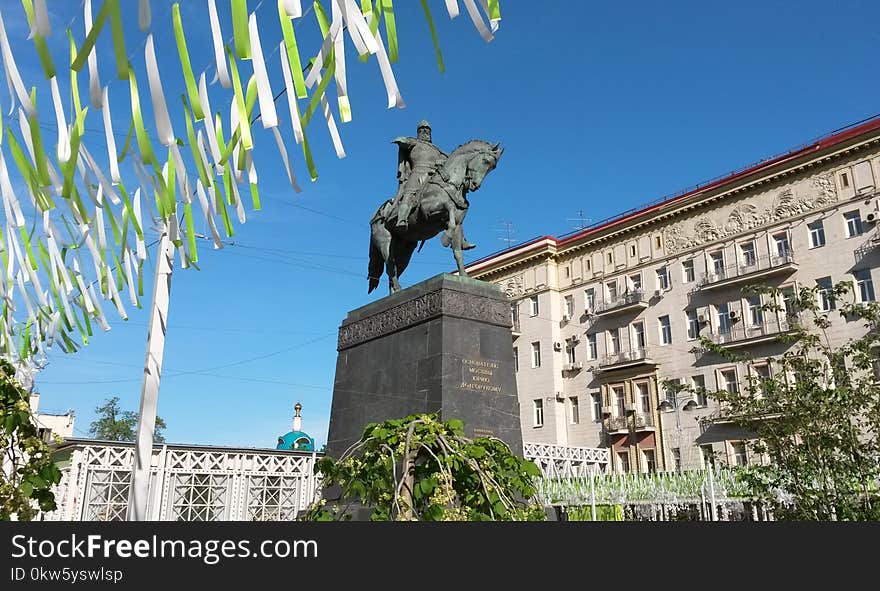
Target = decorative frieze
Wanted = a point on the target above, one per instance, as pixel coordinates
(816, 193)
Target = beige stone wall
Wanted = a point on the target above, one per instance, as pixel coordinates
(784, 204)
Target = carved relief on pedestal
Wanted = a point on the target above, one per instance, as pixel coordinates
(816, 193)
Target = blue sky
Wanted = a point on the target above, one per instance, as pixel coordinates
(601, 107)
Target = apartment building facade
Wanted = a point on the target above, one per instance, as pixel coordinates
(603, 317)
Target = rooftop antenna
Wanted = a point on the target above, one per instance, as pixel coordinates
(581, 220)
(508, 232)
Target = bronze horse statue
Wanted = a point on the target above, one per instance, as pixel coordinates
(441, 207)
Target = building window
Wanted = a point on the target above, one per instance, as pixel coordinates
(592, 350)
(740, 458)
(634, 282)
(632, 250)
(663, 278)
(788, 303)
(693, 325)
(538, 408)
(597, 406)
(865, 285)
(708, 455)
(699, 384)
(658, 242)
(649, 460)
(588, 264)
(844, 180)
(716, 260)
(611, 291)
(728, 379)
(817, 234)
(536, 354)
(723, 316)
(570, 355)
(638, 329)
(574, 413)
(514, 315)
(676, 459)
(516, 359)
(567, 272)
(623, 461)
(609, 257)
(569, 306)
(665, 330)
(533, 306)
(644, 397)
(619, 400)
(747, 252)
(614, 341)
(589, 300)
(853, 223)
(756, 314)
(782, 245)
(826, 294)
(687, 269)
(762, 375)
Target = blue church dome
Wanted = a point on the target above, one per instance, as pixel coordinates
(297, 439)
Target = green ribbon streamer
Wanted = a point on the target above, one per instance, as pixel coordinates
(39, 42)
(68, 169)
(130, 211)
(296, 69)
(89, 42)
(244, 123)
(188, 78)
(430, 20)
(127, 145)
(494, 10)
(240, 29)
(191, 138)
(118, 39)
(74, 83)
(190, 232)
(143, 140)
(390, 29)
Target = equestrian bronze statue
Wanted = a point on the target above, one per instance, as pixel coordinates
(431, 198)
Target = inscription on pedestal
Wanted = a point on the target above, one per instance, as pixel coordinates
(479, 376)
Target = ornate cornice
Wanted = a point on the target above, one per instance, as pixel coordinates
(443, 302)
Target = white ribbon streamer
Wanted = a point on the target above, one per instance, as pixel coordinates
(206, 209)
(219, 55)
(144, 15)
(63, 148)
(41, 19)
(96, 301)
(94, 80)
(136, 205)
(477, 19)
(268, 116)
(209, 119)
(452, 8)
(339, 74)
(292, 8)
(9, 195)
(12, 76)
(283, 151)
(111, 140)
(291, 98)
(157, 95)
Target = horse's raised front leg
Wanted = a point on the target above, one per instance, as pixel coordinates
(457, 239)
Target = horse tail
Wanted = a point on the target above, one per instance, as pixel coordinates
(377, 265)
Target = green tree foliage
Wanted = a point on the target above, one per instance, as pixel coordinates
(816, 421)
(115, 424)
(27, 473)
(422, 469)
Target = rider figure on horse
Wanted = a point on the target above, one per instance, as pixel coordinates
(417, 159)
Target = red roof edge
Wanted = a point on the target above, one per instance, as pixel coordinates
(826, 141)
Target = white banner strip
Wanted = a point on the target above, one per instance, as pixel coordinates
(206, 209)
(12, 75)
(111, 140)
(157, 95)
(339, 55)
(209, 120)
(9, 194)
(292, 8)
(268, 116)
(108, 187)
(144, 15)
(291, 97)
(102, 320)
(219, 55)
(94, 81)
(477, 19)
(452, 8)
(63, 148)
(136, 205)
(41, 19)
(283, 151)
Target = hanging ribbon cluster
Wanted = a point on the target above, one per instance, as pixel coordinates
(60, 265)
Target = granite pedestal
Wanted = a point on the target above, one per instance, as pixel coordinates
(442, 345)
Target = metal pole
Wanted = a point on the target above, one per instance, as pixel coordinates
(593, 491)
(712, 512)
(143, 447)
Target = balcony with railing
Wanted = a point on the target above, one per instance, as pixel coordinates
(629, 301)
(757, 268)
(515, 329)
(742, 335)
(635, 420)
(626, 359)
